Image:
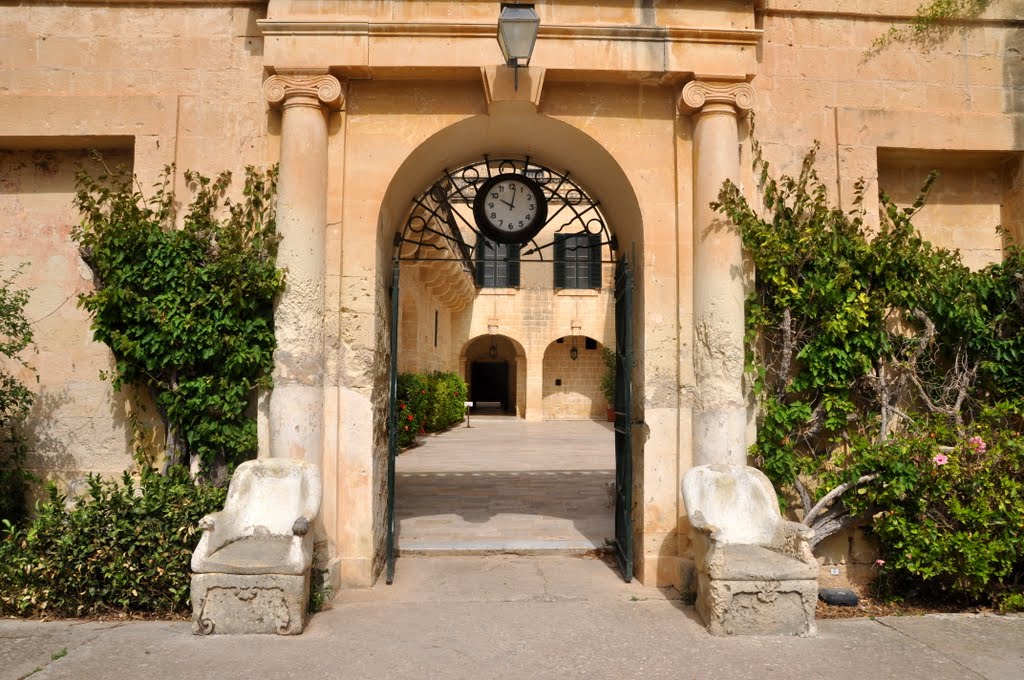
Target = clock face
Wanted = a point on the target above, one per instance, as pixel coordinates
(510, 208)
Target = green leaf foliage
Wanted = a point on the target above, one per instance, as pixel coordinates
(428, 403)
(879, 361)
(15, 397)
(187, 312)
(121, 547)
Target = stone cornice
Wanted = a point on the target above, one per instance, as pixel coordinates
(323, 89)
(734, 36)
(697, 94)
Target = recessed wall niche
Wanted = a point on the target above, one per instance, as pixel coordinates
(976, 192)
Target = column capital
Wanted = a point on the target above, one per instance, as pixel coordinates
(698, 94)
(304, 89)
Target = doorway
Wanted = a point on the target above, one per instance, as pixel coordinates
(488, 386)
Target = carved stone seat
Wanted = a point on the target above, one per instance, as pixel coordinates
(755, 571)
(250, 571)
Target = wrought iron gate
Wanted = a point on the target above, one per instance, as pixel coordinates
(439, 229)
(624, 417)
(389, 550)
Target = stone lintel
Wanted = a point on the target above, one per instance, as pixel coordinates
(698, 94)
(319, 88)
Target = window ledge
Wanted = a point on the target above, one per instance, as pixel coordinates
(578, 292)
(498, 291)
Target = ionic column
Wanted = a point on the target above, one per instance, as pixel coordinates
(297, 400)
(720, 407)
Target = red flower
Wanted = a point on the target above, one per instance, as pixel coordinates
(409, 418)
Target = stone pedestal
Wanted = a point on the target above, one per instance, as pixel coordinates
(232, 604)
(758, 607)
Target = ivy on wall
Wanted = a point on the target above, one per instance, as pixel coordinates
(888, 378)
(187, 312)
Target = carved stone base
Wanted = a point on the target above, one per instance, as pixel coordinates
(231, 604)
(757, 607)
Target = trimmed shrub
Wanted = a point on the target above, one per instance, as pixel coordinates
(447, 401)
(413, 402)
(122, 547)
(429, 403)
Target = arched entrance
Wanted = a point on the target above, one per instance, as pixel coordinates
(494, 367)
(540, 291)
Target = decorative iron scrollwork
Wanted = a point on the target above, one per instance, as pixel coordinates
(440, 225)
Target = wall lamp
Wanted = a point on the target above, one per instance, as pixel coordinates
(518, 25)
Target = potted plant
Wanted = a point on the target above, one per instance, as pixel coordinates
(608, 381)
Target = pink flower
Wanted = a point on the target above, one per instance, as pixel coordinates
(879, 563)
(940, 459)
(978, 444)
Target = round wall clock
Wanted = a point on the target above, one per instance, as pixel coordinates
(510, 208)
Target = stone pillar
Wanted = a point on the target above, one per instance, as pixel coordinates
(296, 411)
(720, 405)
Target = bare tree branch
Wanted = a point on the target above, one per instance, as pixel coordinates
(786, 362)
(833, 526)
(805, 497)
(832, 495)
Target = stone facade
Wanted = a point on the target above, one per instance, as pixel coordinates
(366, 103)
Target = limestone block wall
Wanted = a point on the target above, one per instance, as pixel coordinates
(78, 424)
(578, 392)
(817, 81)
(147, 85)
(964, 206)
(427, 340)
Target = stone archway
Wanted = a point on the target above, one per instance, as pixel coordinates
(356, 453)
(495, 359)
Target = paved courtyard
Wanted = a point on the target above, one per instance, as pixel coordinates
(503, 484)
(519, 617)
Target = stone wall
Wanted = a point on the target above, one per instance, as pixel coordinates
(78, 424)
(964, 205)
(572, 389)
(148, 86)
(817, 80)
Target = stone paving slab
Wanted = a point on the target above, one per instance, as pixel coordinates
(27, 646)
(518, 617)
(975, 641)
(505, 485)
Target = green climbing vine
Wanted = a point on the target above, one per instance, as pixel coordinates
(187, 312)
(932, 23)
(888, 378)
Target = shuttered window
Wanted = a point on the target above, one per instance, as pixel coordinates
(577, 261)
(497, 265)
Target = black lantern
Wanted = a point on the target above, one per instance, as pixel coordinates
(573, 352)
(518, 25)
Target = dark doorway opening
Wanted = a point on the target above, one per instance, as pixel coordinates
(489, 386)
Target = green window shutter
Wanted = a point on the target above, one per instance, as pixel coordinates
(481, 247)
(560, 240)
(594, 253)
(513, 266)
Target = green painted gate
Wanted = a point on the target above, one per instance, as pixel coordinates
(624, 417)
(389, 549)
